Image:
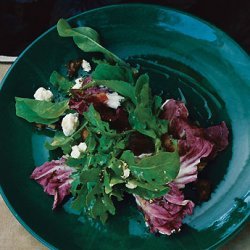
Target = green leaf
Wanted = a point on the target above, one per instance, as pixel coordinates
(142, 81)
(94, 118)
(129, 157)
(108, 203)
(60, 82)
(116, 166)
(76, 163)
(118, 193)
(147, 194)
(79, 203)
(59, 140)
(94, 191)
(99, 210)
(106, 183)
(87, 39)
(121, 144)
(157, 102)
(65, 142)
(91, 142)
(99, 61)
(113, 72)
(96, 124)
(144, 117)
(102, 207)
(158, 169)
(116, 180)
(123, 88)
(90, 175)
(75, 184)
(43, 112)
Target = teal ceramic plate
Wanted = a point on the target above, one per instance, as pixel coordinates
(187, 59)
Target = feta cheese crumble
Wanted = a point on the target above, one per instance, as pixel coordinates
(126, 173)
(78, 82)
(78, 149)
(114, 100)
(86, 66)
(43, 94)
(69, 124)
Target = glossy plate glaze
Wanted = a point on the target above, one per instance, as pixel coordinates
(186, 59)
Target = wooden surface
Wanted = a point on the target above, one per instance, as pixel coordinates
(14, 237)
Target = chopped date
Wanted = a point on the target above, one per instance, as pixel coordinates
(167, 143)
(73, 67)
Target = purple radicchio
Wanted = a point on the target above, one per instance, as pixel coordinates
(55, 179)
(165, 214)
(81, 99)
(195, 144)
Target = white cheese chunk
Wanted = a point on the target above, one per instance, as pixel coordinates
(75, 153)
(69, 124)
(78, 149)
(79, 82)
(126, 173)
(86, 66)
(114, 100)
(82, 147)
(43, 94)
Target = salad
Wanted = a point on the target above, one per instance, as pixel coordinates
(114, 137)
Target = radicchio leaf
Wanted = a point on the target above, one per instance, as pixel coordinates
(55, 179)
(81, 99)
(180, 127)
(165, 214)
(191, 151)
(195, 144)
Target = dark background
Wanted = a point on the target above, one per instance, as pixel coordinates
(21, 21)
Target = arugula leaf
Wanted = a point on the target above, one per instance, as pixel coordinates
(97, 125)
(102, 207)
(79, 203)
(90, 175)
(91, 142)
(99, 61)
(43, 112)
(148, 194)
(142, 81)
(129, 157)
(99, 203)
(87, 39)
(157, 102)
(141, 118)
(60, 140)
(123, 88)
(151, 174)
(76, 163)
(60, 82)
(64, 142)
(115, 164)
(157, 169)
(74, 184)
(106, 182)
(113, 72)
(105, 144)
(144, 117)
